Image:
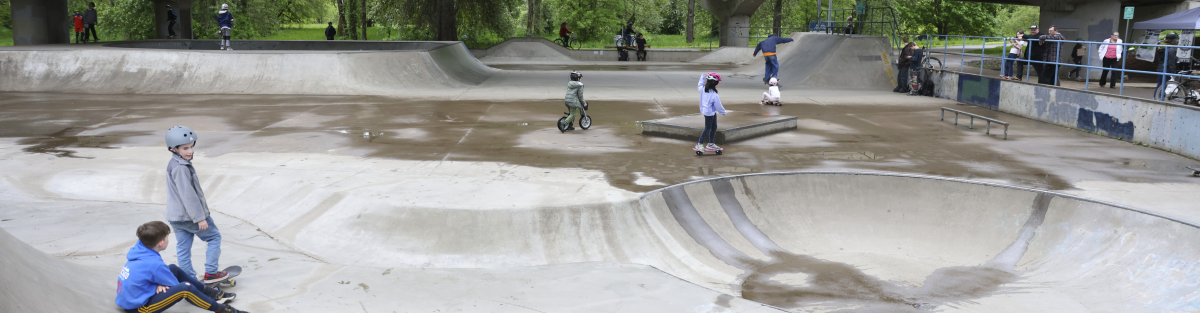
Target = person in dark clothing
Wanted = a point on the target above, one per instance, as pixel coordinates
(1167, 59)
(641, 47)
(565, 34)
(1050, 50)
(628, 33)
(330, 32)
(902, 66)
(1077, 54)
(171, 20)
(1036, 51)
(89, 22)
(767, 46)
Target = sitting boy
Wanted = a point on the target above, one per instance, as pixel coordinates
(772, 95)
(641, 47)
(148, 285)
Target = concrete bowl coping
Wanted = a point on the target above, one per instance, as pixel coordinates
(741, 126)
(285, 45)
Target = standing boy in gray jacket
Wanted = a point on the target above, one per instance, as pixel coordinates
(186, 208)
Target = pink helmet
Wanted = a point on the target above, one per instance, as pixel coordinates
(713, 76)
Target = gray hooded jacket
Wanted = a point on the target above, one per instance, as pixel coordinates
(185, 199)
(575, 95)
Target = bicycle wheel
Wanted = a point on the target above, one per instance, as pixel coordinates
(576, 44)
(933, 63)
(585, 122)
(562, 124)
(559, 42)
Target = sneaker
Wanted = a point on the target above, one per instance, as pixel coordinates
(226, 297)
(210, 278)
(230, 309)
(699, 147)
(712, 147)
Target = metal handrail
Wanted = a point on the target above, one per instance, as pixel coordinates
(1058, 61)
(724, 35)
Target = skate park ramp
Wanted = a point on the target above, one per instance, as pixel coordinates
(830, 61)
(37, 282)
(526, 50)
(280, 67)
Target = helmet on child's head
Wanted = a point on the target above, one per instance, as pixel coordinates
(224, 6)
(575, 76)
(180, 135)
(773, 82)
(713, 76)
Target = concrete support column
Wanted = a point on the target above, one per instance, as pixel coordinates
(39, 22)
(735, 31)
(1093, 21)
(183, 9)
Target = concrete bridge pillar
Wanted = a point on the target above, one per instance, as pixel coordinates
(39, 22)
(734, 17)
(1093, 20)
(183, 9)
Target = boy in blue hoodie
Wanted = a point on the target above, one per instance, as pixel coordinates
(767, 46)
(148, 285)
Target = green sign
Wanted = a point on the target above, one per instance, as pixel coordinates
(1129, 13)
(860, 7)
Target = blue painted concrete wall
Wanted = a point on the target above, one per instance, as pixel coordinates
(1162, 125)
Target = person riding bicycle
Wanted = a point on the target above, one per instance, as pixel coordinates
(628, 33)
(565, 34)
(574, 99)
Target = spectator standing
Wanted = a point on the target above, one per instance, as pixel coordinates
(1051, 53)
(330, 32)
(225, 21)
(767, 46)
(89, 22)
(171, 20)
(902, 66)
(77, 20)
(1035, 50)
(1110, 54)
(1077, 54)
(1016, 47)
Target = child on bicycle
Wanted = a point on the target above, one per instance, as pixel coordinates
(574, 99)
(565, 34)
(710, 105)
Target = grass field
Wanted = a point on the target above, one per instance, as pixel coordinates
(6, 38)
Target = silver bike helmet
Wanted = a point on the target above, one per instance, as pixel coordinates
(180, 135)
(575, 76)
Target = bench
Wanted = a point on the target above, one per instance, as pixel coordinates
(975, 116)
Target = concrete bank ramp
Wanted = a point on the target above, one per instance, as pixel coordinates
(36, 282)
(525, 50)
(830, 61)
(157, 67)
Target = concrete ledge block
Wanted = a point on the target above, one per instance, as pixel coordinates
(734, 127)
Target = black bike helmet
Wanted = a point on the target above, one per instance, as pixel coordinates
(1172, 36)
(575, 76)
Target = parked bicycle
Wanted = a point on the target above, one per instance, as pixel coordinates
(1187, 91)
(572, 43)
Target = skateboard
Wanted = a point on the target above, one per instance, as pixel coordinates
(701, 151)
(230, 273)
(1195, 171)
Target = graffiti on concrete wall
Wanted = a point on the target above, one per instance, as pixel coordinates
(978, 90)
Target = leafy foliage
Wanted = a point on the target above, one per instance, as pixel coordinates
(5, 14)
(945, 17)
(124, 19)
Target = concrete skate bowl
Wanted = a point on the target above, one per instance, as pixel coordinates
(830, 61)
(275, 67)
(826, 242)
(526, 49)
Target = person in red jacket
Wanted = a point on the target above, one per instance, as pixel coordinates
(78, 21)
(564, 33)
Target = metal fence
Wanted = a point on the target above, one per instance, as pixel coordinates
(873, 21)
(1185, 81)
(754, 34)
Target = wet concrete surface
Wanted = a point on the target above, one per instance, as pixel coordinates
(866, 136)
(618, 66)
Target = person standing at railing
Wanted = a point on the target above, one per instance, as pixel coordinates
(767, 46)
(1015, 46)
(1110, 52)
(1167, 65)
(1052, 51)
(1035, 50)
(902, 65)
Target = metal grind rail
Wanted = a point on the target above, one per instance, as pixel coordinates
(1181, 78)
(973, 117)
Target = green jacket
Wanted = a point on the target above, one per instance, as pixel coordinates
(574, 97)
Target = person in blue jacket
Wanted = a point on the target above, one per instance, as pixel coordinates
(767, 46)
(710, 105)
(148, 285)
(225, 21)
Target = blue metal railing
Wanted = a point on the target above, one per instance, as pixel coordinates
(945, 51)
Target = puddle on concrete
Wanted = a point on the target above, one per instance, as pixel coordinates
(615, 67)
(56, 144)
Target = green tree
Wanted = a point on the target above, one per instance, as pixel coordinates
(1016, 17)
(126, 19)
(446, 18)
(5, 14)
(944, 17)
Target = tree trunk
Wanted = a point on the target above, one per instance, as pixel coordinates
(341, 29)
(363, 8)
(691, 21)
(351, 19)
(778, 17)
(447, 24)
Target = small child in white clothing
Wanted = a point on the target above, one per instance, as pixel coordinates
(772, 94)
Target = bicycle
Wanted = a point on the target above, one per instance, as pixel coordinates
(572, 43)
(585, 121)
(1187, 91)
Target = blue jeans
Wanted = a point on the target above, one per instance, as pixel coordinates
(188, 289)
(772, 68)
(710, 129)
(184, 231)
(1008, 64)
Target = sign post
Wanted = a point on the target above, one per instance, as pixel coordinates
(1128, 20)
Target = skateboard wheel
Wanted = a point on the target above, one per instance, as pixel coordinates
(698, 153)
(230, 283)
(718, 152)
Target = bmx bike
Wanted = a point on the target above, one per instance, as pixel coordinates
(585, 121)
(571, 43)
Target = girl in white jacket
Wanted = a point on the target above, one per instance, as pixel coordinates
(772, 94)
(710, 105)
